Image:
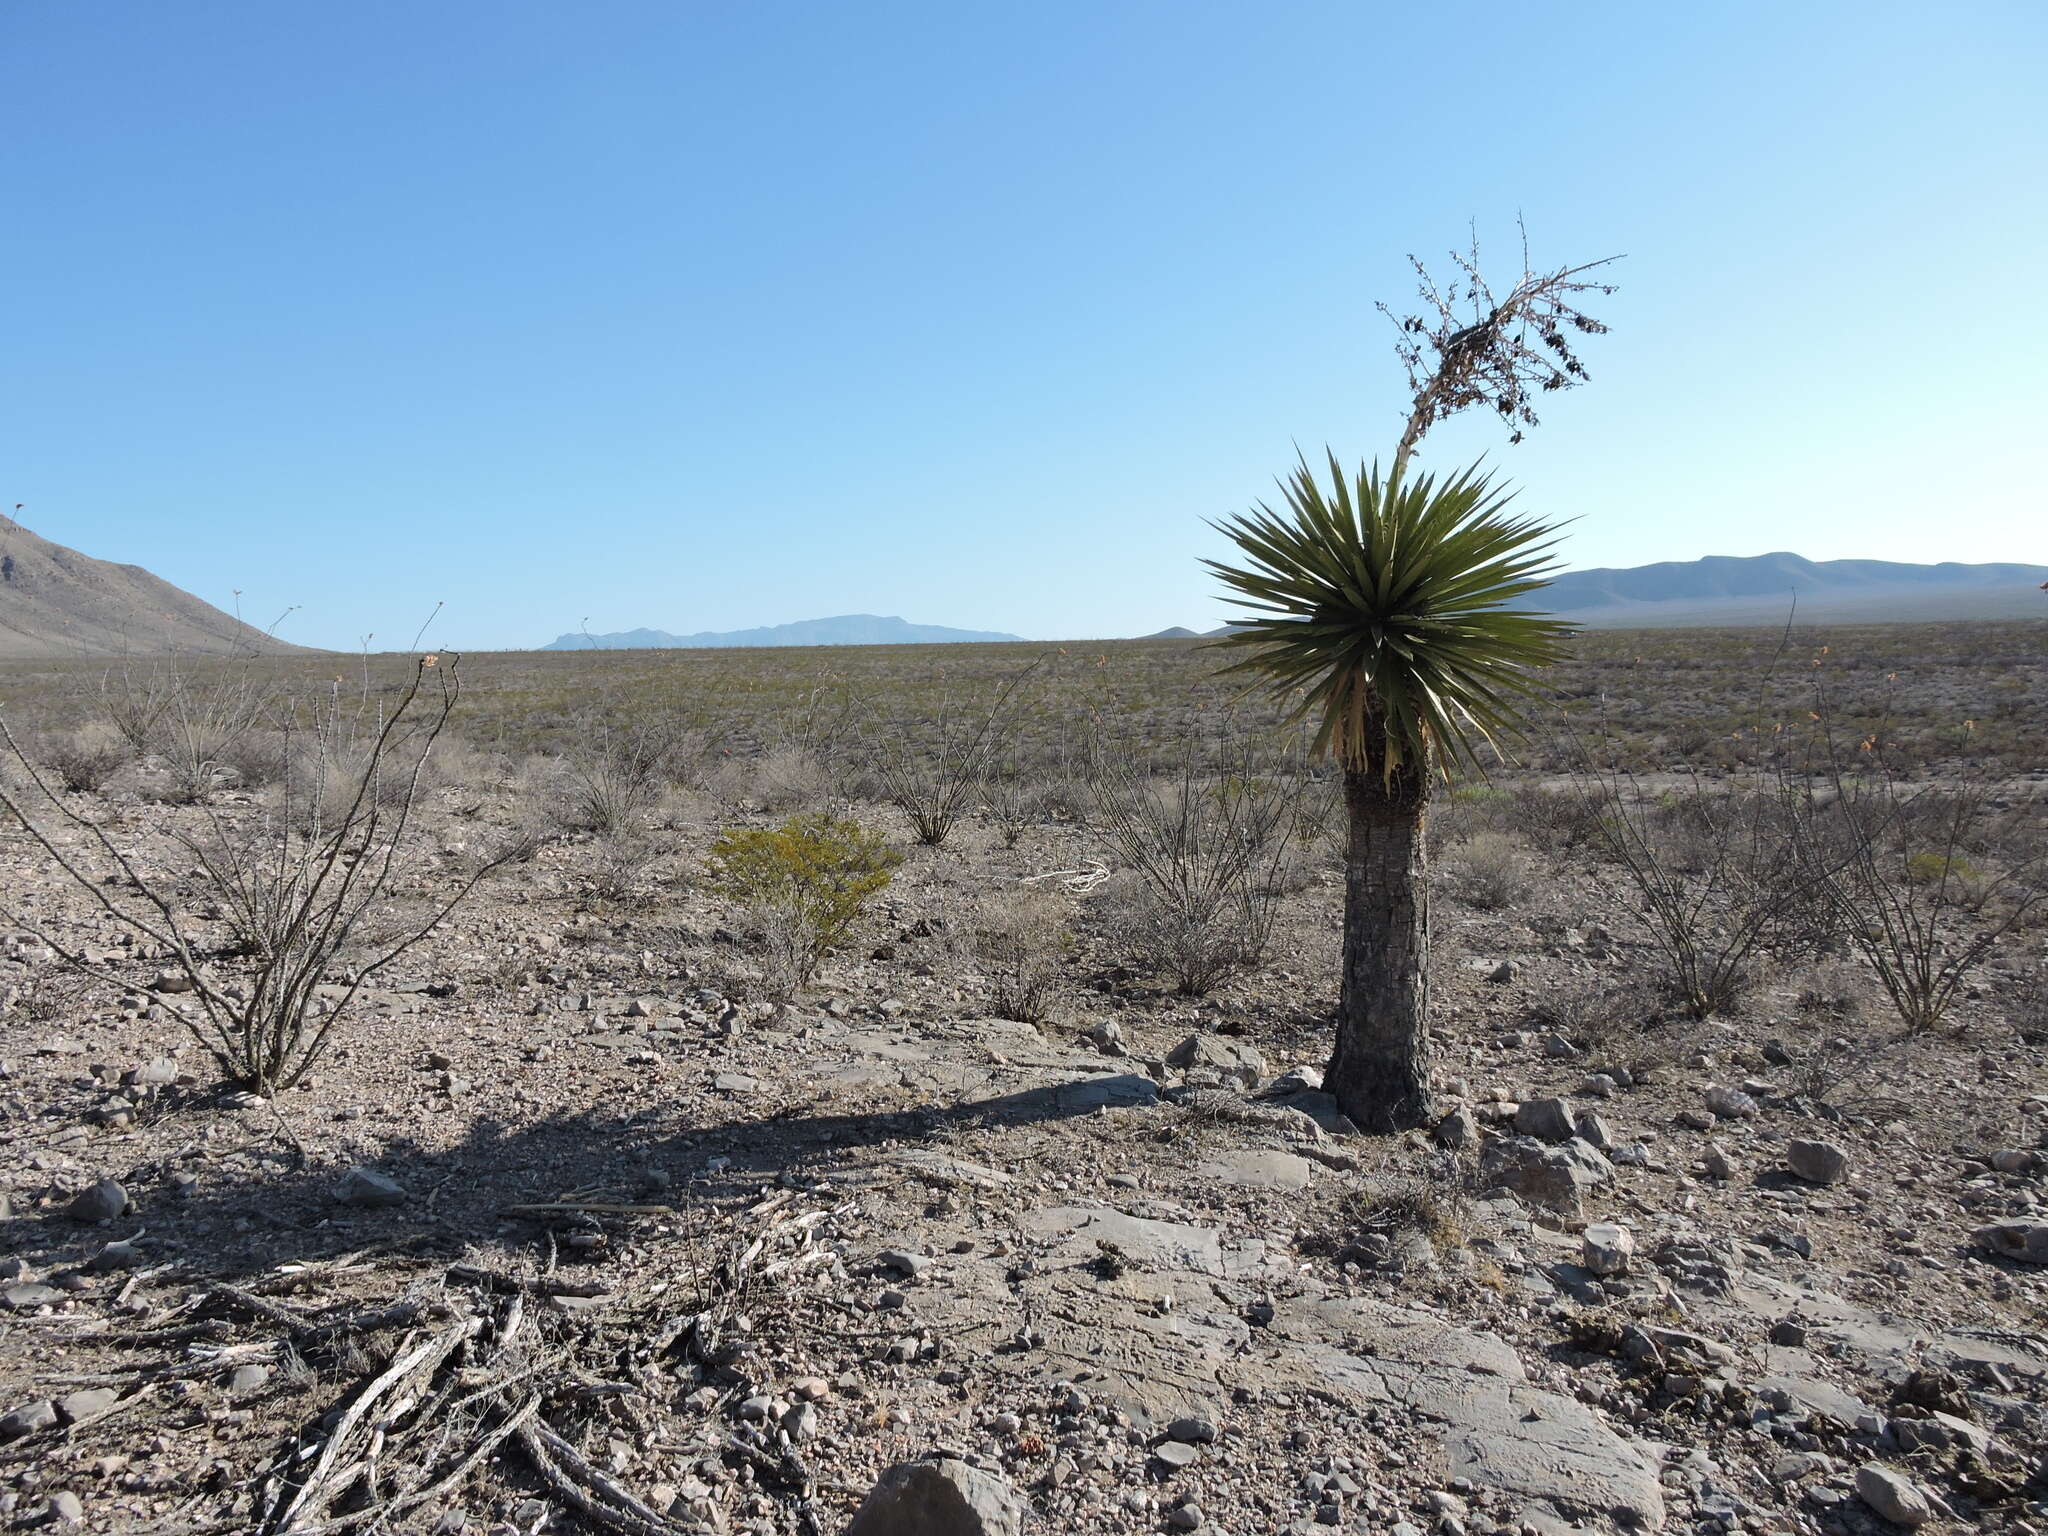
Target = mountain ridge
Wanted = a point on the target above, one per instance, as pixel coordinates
(841, 629)
(1744, 590)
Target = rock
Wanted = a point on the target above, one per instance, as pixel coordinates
(1185, 1517)
(1717, 1163)
(160, 1073)
(1554, 1176)
(105, 1201)
(2026, 1241)
(248, 1379)
(1236, 1061)
(1192, 1431)
(29, 1295)
(1503, 973)
(903, 1262)
(27, 1419)
(1594, 1131)
(938, 1498)
(2016, 1160)
(1817, 1162)
(1608, 1248)
(1458, 1130)
(367, 1187)
(171, 981)
(1108, 1038)
(1731, 1103)
(735, 1083)
(1121, 1090)
(1893, 1495)
(64, 1508)
(122, 1254)
(88, 1404)
(1596, 1085)
(1547, 1119)
(1176, 1454)
(1256, 1169)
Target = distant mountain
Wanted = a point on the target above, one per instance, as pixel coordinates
(847, 629)
(1759, 589)
(56, 602)
(1177, 632)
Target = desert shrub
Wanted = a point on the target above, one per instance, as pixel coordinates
(1489, 870)
(789, 780)
(804, 883)
(614, 783)
(1719, 880)
(83, 758)
(1600, 1018)
(1562, 820)
(252, 759)
(205, 721)
(1012, 802)
(1892, 862)
(132, 702)
(1208, 858)
(937, 773)
(1020, 941)
(308, 901)
(2029, 1006)
(618, 863)
(1197, 948)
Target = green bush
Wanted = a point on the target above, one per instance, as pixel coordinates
(805, 882)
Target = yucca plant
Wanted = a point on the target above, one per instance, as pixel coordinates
(1383, 605)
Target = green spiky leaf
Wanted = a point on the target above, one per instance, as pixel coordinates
(1385, 604)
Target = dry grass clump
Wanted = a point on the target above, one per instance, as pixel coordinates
(1021, 941)
(1489, 871)
(1600, 1018)
(83, 758)
(1373, 1222)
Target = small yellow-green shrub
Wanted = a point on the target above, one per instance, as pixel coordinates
(804, 882)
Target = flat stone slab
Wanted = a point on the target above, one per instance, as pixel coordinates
(1076, 1234)
(1255, 1168)
(1499, 1431)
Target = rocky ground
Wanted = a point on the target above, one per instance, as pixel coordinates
(567, 1234)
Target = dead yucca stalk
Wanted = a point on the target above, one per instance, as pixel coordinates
(296, 886)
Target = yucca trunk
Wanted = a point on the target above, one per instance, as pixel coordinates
(1379, 1070)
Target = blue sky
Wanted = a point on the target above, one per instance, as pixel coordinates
(709, 316)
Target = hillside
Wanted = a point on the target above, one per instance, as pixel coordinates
(1723, 589)
(847, 629)
(55, 601)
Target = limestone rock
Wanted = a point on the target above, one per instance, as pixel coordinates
(1817, 1162)
(105, 1201)
(367, 1187)
(2026, 1241)
(1257, 1169)
(1609, 1247)
(1555, 1176)
(1458, 1130)
(1235, 1060)
(938, 1498)
(1545, 1119)
(1893, 1495)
